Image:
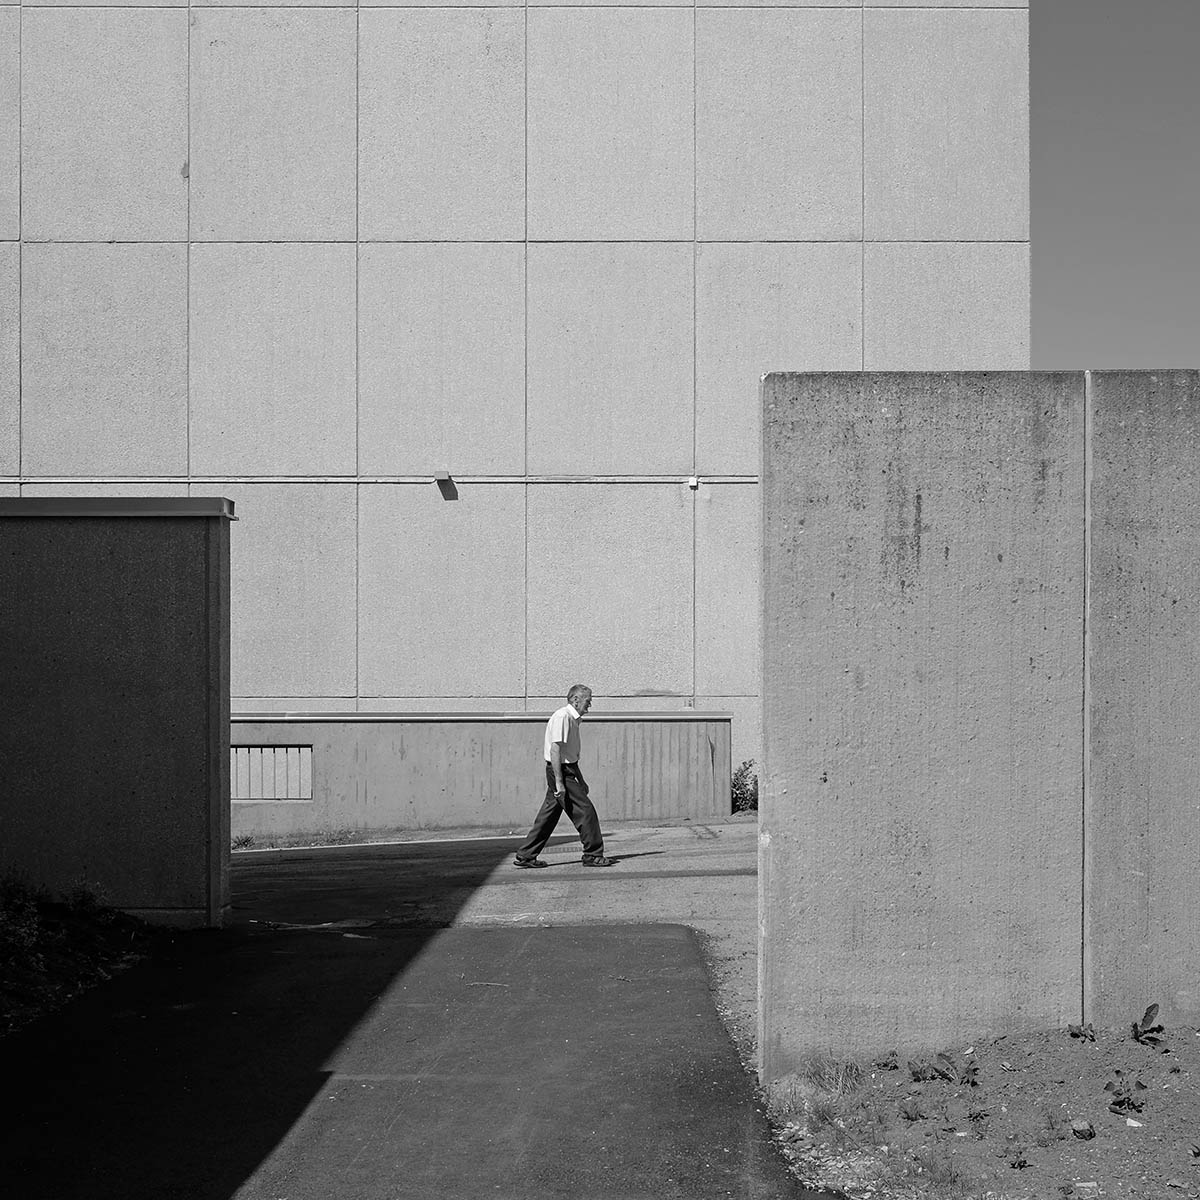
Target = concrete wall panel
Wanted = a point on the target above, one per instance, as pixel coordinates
(442, 359)
(442, 587)
(946, 306)
(607, 3)
(607, 705)
(610, 123)
(1143, 846)
(610, 588)
(293, 589)
(779, 124)
(592, 408)
(760, 306)
(104, 489)
(443, 704)
(922, 799)
(10, 357)
(99, 3)
(773, 4)
(293, 704)
(946, 104)
(10, 123)
(442, 139)
(949, 3)
(104, 359)
(439, 4)
(105, 131)
(272, 359)
(271, 4)
(273, 124)
(728, 554)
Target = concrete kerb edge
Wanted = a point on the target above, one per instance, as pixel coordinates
(450, 836)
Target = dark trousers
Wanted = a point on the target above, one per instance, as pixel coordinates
(576, 805)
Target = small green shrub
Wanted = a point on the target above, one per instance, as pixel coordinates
(52, 947)
(745, 788)
(243, 841)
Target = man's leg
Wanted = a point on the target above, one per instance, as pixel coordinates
(581, 810)
(543, 823)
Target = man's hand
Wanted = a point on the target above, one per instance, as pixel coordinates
(560, 788)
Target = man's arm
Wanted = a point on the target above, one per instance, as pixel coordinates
(556, 749)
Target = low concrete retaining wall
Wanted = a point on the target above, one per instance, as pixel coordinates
(981, 706)
(381, 771)
(114, 676)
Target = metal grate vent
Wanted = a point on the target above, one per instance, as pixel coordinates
(270, 772)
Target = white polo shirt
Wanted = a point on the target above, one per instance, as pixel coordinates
(563, 726)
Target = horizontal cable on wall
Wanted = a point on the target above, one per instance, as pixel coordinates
(214, 480)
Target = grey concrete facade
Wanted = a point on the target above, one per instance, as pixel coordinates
(980, 705)
(308, 256)
(114, 656)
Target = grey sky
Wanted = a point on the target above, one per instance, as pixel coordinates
(1115, 179)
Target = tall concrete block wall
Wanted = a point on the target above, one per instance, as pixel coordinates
(1142, 842)
(921, 814)
(307, 257)
(981, 706)
(114, 675)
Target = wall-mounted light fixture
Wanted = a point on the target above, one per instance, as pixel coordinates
(446, 485)
(693, 482)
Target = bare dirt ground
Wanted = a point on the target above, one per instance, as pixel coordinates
(1031, 1121)
(1037, 1115)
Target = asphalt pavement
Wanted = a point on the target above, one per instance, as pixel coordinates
(420, 1020)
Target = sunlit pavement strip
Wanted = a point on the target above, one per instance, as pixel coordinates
(690, 873)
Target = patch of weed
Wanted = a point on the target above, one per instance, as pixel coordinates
(53, 949)
(1147, 1030)
(1053, 1125)
(744, 789)
(1126, 1093)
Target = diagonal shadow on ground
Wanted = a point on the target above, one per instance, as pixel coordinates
(340, 1040)
(178, 1078)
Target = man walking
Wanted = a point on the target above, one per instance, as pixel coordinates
(566, 789)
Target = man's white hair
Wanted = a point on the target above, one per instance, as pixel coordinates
(577, 692)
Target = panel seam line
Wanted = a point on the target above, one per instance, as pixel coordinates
(1085, 989)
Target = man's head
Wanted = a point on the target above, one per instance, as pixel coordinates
(580, 698)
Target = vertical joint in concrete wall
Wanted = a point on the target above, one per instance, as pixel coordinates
(1085, 965)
